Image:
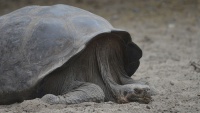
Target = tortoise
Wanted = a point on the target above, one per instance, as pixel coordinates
(66, 55)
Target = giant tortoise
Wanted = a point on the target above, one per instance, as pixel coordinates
(66, 55)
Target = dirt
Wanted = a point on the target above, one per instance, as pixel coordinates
(168, 33)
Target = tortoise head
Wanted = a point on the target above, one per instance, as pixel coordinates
(135, 93)
(132, 56)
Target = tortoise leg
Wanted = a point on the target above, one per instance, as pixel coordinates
(83, 92)
(128, 80)
(110, 59)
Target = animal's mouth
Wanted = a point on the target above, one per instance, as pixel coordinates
(135, 98)
(143, 100)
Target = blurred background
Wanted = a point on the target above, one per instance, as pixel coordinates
(142, 18)
(123, 10)
(168, 32)
(126, 14)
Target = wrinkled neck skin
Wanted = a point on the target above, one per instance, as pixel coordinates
(110, 58)
(102, 63)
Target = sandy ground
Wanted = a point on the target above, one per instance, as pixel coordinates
(168, 33)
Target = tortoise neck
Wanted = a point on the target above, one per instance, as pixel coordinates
(110, 59)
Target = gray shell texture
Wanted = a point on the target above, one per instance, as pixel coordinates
(35, 40)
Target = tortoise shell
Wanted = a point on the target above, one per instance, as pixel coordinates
(36, 40)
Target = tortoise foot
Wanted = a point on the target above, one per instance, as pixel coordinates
(85, 92)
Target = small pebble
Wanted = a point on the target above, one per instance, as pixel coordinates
(148, 107)
(136, 10)
(119, 110)
(171, 83)
(115, 17)
(171, 25)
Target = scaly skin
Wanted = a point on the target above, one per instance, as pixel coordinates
(103, 60)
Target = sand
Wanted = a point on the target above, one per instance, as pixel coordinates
(167, 32)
